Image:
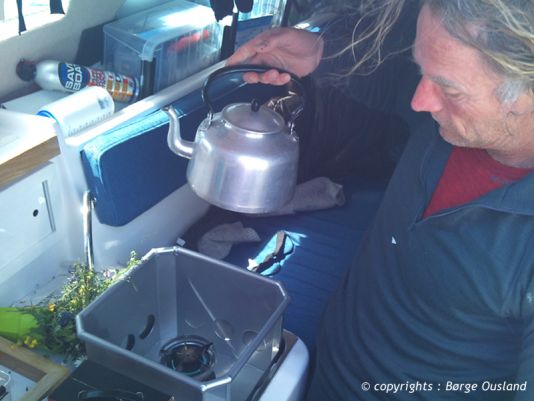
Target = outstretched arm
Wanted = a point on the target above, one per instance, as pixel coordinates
(293, 50)
(339, 136)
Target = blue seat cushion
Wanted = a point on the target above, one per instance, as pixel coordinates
(131, 168)
(323, 244)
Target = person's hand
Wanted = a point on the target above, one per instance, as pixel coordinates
(293, 50)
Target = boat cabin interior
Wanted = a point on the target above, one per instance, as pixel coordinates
(87, 182)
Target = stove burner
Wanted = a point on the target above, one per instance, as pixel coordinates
(191, 355)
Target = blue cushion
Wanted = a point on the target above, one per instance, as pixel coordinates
(130, 169)
(324, 242)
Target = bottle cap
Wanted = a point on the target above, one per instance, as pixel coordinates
(26, 70)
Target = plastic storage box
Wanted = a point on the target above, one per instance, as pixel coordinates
(264, 15)
(164, 44)
(135, 326)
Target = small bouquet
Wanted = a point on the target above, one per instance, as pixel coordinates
(50, 324)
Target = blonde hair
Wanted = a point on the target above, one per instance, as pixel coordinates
(366, 44)
(504, 34)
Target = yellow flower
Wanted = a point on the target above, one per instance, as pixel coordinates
(30, 342)
(51, 307)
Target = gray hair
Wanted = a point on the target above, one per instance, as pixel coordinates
(503, 33)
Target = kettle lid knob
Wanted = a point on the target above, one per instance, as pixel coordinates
(255, 105)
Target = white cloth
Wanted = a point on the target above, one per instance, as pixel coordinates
(218, 241)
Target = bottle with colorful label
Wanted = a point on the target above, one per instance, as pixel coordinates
(69, 77)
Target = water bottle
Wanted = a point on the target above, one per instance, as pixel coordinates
(69, 77)
(80, 110)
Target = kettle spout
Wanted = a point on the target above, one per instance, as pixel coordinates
(178, 145)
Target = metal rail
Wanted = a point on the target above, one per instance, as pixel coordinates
(87, 211)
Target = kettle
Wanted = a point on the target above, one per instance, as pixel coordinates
(245, 157)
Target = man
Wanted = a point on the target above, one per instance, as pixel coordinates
(439, 301)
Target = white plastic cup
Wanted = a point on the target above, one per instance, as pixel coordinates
(80, 110)
(7, 383)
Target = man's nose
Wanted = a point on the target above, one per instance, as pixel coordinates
(425, 97)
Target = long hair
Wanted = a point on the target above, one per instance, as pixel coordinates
(501, 30)
(374, 21)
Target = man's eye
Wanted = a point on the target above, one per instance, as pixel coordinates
(452, 94)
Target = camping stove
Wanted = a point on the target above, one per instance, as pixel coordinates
(190, 355)
(190, 326)
(95, 380)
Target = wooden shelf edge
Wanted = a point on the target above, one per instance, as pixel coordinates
(47, 374)
(27, 161)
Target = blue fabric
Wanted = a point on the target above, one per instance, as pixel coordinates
(324, 242)
(272, 257)
(130, 169)
(447, 298)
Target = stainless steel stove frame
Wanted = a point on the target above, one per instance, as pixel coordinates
(177, 292)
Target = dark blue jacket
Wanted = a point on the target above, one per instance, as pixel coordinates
(436, 302)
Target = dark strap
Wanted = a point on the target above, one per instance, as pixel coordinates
(228, 41)
(56, 7)
(110, 395)
(244, 6)
(222, 8)
(22, 24)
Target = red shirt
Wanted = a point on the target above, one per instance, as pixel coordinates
(469, 174)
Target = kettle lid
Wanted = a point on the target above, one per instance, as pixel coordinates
(250, 117)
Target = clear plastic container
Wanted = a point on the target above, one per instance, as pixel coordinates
(164, 44)
(264, 15)
(176, 294)
(262, 8)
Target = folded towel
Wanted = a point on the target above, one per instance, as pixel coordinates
(315, 194)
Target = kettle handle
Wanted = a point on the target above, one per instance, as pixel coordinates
(253, 68)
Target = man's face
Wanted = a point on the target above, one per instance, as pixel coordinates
(459, 90)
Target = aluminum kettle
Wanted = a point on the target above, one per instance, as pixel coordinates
(244, 158)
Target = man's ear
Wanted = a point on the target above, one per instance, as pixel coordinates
(524, 103)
